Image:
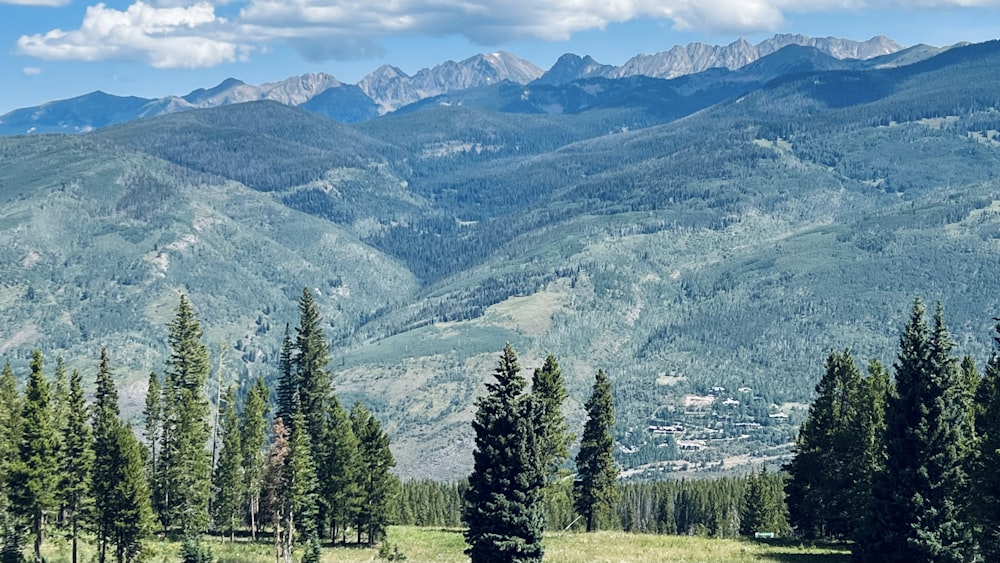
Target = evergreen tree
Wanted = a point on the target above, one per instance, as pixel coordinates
(10, 420)
(34, 477)
(377, 483)
(763, 505)
(153, 430)
(288, 381)
(253, 437)
(77, 461)
(60, 400)
(315, 391)
(185, 462)
(122, 506)
(300, 485)
(341, 485)
(595, 487)
(227, 482)
(822, 473)
(106, 455)
(550, 392)
(503, 504)
(274, 505)
(920, 498)
(132, 516)
(985, 477)
(11, 526)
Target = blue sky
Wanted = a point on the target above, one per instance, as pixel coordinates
(56, 49)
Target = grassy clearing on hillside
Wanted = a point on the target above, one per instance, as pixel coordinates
(434, 545)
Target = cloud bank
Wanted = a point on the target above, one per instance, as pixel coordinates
(179, 34)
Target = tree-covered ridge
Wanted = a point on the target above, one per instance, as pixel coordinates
(727, 249)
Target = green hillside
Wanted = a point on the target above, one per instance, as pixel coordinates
(730, 248)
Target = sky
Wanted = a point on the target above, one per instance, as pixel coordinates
(58, 49)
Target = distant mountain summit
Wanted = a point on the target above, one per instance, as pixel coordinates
(698, 57)
(392, 89)
(388, 88)
(572, 67)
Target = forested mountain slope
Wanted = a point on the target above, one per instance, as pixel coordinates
(730, 248)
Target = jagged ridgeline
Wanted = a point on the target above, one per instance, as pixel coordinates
(681, 246)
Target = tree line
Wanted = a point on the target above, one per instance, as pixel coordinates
(904, 467)
(312, 472)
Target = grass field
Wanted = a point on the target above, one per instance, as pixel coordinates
(432, 545)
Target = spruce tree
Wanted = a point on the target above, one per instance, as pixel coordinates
(10, 419)
(132, 517)
(763, 508)
(985, 477)
(288, 381)
(152, 415)
(253, 437)
(377, 484)
(920, 498)
(315, 391)
(301, 485)
(185, 462)
(503, 503)
(77, 461)
(341, 485)
(12, 531)
(106, 455)
(548, 389)
(35, 474)
(822, 473)
(228, 482)
(595, 487)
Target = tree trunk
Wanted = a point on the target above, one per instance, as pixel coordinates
(277, 540)
(76, 533)
(39, 533)
(289, 537)
(253, 520)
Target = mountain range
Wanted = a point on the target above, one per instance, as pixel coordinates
(388, 88)
(722, 229)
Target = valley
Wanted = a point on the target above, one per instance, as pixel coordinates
(718, 230)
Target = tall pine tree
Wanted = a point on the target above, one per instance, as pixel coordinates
(227, 482)
(315, 391)
(377, 485)
(503, 504)
(253, 437)
(340, 486)
(152, 415)
(77, 461)
(301, 486)
(185, 471)
(821, 473)
(548, 389)
(35, 474)
(985, 477)
(595, 488)
(122, 508)
(921, 496)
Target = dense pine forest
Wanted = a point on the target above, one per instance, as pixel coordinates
(899, 465)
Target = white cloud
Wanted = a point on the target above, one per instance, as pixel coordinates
(31, 71)
(175, 33)
(179, 37)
